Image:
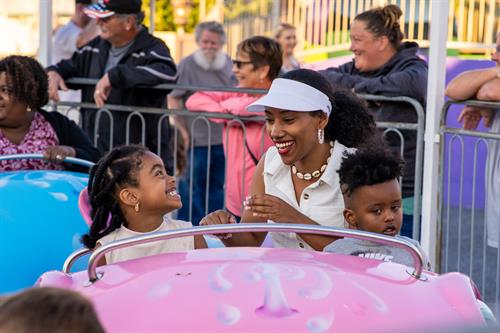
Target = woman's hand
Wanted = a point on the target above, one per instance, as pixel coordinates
(269, 207)
(219, 217)
(57, 154)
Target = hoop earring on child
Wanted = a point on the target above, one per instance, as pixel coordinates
(136, 207)
(321, 136)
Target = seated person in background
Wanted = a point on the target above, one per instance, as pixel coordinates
(372, 197)
(130, 194)
(484, 84)
(27, 129)
(48, 310)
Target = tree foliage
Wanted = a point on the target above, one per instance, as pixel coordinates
(164, 15)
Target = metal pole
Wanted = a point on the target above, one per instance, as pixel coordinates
(435, 102)
(45, 32)
(203, 11)
(275, 13)
(152, 16)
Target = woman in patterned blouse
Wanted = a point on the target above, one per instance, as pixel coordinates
(26, 129)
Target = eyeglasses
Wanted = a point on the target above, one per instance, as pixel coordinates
(239, 63)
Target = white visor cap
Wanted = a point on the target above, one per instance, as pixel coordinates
(292, 95)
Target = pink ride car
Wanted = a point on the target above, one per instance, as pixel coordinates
(269, 289)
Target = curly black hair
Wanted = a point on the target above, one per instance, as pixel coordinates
(369, 166)
(117, 168)
(26, 79)
(350, 121)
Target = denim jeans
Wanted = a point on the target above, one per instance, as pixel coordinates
(216, 186)
(407, 227)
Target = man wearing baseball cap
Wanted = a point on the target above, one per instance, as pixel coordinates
(124, 56)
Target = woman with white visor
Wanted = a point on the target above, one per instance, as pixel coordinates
(296, 181)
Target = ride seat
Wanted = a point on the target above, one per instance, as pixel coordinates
(84, 206)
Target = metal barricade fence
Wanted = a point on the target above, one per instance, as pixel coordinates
(463, 227)
(204, 118)
(419, 128)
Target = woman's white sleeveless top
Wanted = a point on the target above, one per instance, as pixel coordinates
(321, 201)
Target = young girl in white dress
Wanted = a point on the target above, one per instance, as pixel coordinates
(130, 194)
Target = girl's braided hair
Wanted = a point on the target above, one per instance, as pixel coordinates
(117, 168)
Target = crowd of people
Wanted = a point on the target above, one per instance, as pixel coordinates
(317, 159)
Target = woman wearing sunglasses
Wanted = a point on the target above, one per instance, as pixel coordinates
(257, 63)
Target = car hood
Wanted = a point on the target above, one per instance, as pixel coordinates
(270, 290)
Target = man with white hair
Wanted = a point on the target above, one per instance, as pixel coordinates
(207, 66)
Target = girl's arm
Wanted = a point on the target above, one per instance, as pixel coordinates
(199, 242)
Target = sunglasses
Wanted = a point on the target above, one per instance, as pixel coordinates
(239, 63)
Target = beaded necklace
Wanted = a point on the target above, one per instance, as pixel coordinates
(316, 173)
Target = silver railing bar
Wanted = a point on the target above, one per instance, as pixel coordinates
(477, 134)
(419, 172)
(68, 263)
(171, 86)
(415, 253)
(72, 160)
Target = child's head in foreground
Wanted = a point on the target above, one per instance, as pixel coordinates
(48, 310)
(369, 180)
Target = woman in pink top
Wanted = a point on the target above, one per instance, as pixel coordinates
(257, 64)
(27, 129)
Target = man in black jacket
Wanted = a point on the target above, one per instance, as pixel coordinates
(125, 58)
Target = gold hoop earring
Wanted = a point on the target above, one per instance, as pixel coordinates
(136, 207)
